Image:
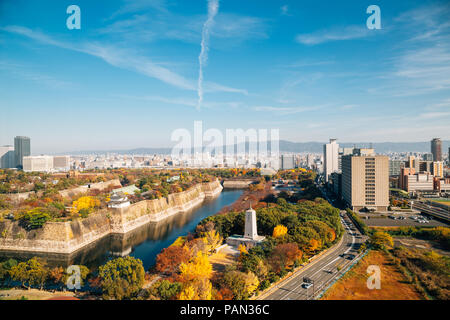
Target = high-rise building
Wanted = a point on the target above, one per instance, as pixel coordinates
(330, 158)
(365, 182)
(438, 169)
(22, 148)
(413, 163)
(436, 149)
(7, 157)
(61, 163)
(427, 157)
(38, 163)
(343, 152)
(395, 166)
(287, 162)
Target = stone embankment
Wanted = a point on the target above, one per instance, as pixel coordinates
(238, 184)
(68, 237)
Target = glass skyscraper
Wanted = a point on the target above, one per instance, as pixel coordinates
(22, 148)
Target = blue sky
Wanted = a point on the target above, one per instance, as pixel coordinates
(312, 69)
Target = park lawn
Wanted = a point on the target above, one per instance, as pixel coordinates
(223, 258)
(32, 294)
(353, 286)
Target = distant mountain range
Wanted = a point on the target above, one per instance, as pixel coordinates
(298, 147)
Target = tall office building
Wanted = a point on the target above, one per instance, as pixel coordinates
(436, 149)
(7, 157)
(365, 181)
(287, 162)
(395, 166)
(330, 158)
(22, 148)
(343, 152)
(427, 157)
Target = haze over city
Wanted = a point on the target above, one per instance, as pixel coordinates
(130, 75)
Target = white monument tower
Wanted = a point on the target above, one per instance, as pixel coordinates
(251, 231)
(250, 238)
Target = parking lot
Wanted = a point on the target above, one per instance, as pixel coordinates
(400, 220)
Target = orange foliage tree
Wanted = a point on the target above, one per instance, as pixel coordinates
(284, 255)
(170, 259)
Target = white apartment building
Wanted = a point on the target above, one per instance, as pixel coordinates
(38, 163)
(330, 158)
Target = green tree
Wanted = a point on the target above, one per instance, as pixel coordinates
(168, 290)
(34, 218)
(31, 272)
(5, 268)
(122, 278)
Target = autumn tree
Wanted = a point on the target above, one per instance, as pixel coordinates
(56, 274)
(241, 284)
(197, 268)
(212, 239)
(284, 256)
(224, 294)
(85, 205)
(198, 289)
(34, 218)
(381, 240)
(122, 278)
(170, 259)
(279, 231)
(31, 272)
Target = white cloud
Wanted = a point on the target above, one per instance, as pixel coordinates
(434, 115)
(122, 58)
(335, 34)
(285, 110)
(285, 10)
(28, 74)
(213, 9)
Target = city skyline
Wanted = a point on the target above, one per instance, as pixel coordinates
(310, 72)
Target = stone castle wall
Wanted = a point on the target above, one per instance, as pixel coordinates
(68, 237)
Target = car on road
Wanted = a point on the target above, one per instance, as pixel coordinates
(307, 285)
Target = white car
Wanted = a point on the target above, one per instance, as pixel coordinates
(307, 285)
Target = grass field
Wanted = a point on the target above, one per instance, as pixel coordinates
(353, 286)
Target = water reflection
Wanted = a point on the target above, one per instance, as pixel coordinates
(143, 243)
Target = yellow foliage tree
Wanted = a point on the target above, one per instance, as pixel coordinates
(199, 267)
(200, 289)
(242, 249)
(251, 283)
(87, 203)
(279, 231)
(188, 293)
(212, 239)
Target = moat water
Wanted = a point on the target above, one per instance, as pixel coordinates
(143, 243)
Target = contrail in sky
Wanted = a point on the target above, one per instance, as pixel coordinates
(213, 9)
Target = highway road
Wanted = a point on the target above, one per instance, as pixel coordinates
(322, 270)
(431, 210)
